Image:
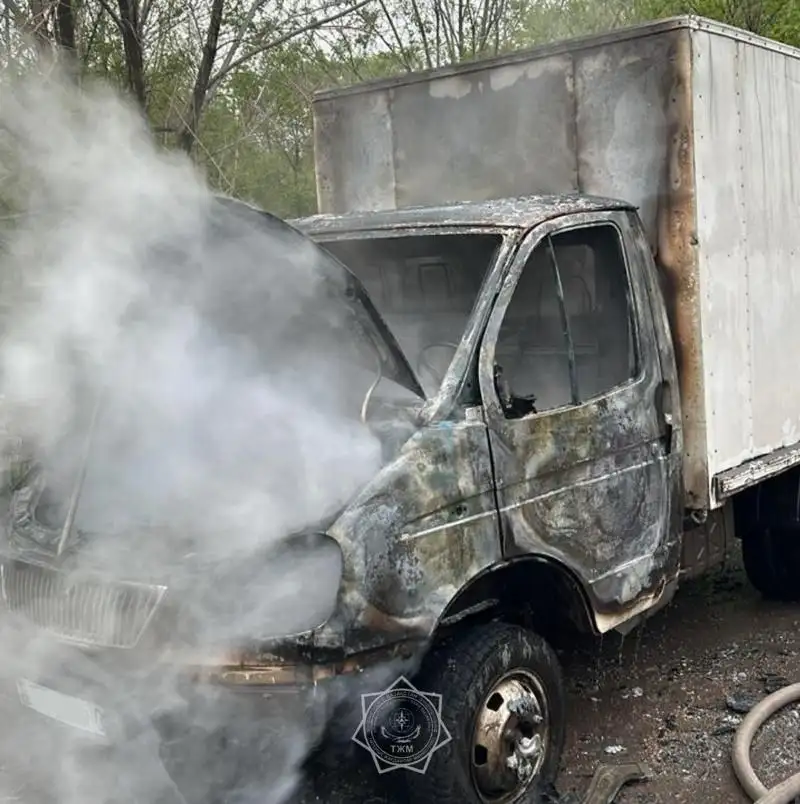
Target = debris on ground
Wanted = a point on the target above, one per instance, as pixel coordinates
(742, 702)
(718, 641)
(773, 683)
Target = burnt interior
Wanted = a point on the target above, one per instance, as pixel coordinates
(573, 296)
(567, 335)
(425, 287)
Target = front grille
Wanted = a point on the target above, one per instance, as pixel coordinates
(87, 611)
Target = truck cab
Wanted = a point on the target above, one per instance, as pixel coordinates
(542, 485)
(539, 333)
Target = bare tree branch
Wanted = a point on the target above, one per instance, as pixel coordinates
(396, 34)
(244, 58)
(111, 13)
(238, 37)
(423, 35)
(144, 15)
(38, 27)
(95, 27)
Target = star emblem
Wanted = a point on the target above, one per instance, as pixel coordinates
(401, 727)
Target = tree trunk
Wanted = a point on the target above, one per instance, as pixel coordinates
(188, 133)
(132, 43)
(65, 38)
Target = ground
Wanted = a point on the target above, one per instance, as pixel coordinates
(660, 696)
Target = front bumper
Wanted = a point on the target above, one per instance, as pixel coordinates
(172, 731)
(167, 739)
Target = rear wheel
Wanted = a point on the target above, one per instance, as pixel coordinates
(504, 707)
(771, 559)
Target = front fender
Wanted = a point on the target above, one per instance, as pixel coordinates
(416, 534)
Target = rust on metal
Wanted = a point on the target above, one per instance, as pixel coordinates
(676, 256)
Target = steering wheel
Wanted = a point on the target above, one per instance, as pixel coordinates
(422, 360)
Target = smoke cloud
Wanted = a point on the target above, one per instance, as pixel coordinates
(215, 373)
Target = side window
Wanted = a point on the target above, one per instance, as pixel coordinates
(598, 302)
(567, 334)
(532, 368)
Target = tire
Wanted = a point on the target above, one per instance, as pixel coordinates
(466, 671)
(771, 558)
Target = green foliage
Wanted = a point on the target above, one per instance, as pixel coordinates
(556, 19)
(256, 138)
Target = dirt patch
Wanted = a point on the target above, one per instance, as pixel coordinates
(665, 695)
(672, 694)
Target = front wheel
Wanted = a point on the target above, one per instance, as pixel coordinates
(503, 704)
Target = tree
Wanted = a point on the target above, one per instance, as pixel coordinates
(556, 19)
(777, 19)
(211, 39)
(423, 34)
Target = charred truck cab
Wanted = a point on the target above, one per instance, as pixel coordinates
(606, 395)
(542, 489)
(550, 413)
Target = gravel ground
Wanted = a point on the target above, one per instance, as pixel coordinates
(668, 694)
(664, 695)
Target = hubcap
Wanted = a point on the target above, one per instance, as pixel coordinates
(511, 737)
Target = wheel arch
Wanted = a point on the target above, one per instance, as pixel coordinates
(534, 590)
(772, 503)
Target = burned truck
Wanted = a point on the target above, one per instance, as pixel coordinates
(576, 266)
(588, 251)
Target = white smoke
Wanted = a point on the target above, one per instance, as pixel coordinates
(211, 444)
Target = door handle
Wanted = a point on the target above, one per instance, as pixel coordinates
(666, 438)
(663, 402)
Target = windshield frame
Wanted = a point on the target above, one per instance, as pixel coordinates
(394, 364)
(440, 403)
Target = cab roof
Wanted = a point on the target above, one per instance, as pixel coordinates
(522, 212)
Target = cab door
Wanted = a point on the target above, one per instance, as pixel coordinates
(571, 384)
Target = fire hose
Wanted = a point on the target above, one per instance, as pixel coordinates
(789, 789)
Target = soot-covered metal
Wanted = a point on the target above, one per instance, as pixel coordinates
(591, 490)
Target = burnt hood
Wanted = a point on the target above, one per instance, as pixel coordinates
(230, 216)
(231, 270)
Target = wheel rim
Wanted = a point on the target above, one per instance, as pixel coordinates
(511, 737)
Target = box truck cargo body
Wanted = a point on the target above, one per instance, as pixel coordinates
(694, 122)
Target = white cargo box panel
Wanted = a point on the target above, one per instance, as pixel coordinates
(696, 123)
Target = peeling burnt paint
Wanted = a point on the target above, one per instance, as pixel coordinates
(414, 537)
(590, 484)
(519, 213)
